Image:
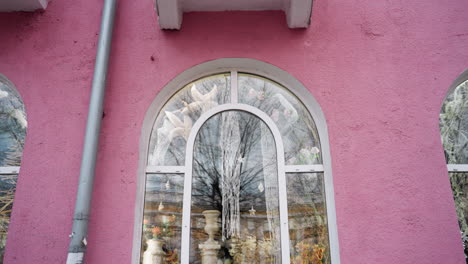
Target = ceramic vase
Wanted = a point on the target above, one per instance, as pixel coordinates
(154, 254)
(210, 248)
(211, 226)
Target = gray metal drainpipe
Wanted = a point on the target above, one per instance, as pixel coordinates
(79, 233)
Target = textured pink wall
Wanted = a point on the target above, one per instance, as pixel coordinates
(379, 69)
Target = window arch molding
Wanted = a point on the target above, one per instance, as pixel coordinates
(250, 66)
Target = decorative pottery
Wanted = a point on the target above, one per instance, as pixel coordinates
(154, 254)
(211, 226)
(210, 248)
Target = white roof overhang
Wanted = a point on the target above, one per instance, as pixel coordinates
(22, 5)
(170, 12)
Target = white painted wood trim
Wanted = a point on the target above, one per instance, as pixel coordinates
(9, 170)
(457, 167)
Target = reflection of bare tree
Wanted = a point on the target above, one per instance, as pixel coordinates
(207, 185)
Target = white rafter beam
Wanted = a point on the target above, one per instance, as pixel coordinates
(170, 12)
(22, 5)
(298, 13)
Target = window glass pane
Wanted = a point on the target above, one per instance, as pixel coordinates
(174, 123)
(308, 229)
(235, 191)
(454, 125)
(300, 136)
(7, 193)
(12, 133)
(162, 218)
(12, 126)
(459, 182)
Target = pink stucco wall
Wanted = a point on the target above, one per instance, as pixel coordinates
(379, 69)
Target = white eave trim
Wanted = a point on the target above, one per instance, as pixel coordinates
(170, 12)
(22, 5)
(298, 13)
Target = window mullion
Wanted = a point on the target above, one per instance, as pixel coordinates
(304, 168)
(457, 167)
(234, 93)
(165, 169)
(187, 197)
(283, 205)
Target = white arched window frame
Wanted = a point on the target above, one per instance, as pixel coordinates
(454, 131)
(235, 65)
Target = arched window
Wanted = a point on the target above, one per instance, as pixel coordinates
(454, 134)
(12, 133)
(237, 170)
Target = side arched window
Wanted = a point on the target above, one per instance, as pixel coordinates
(12, 134)
(235, 173)
(454, 134)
